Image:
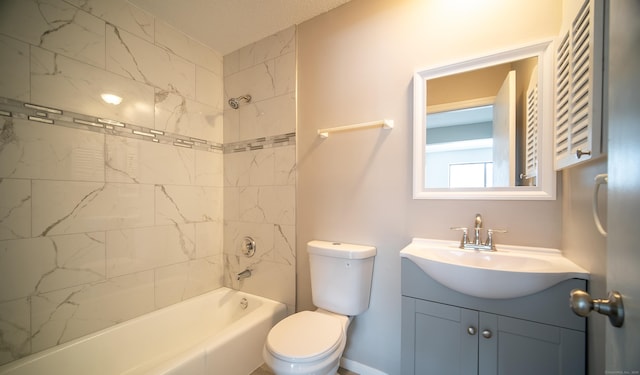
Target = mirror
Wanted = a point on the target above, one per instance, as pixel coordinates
(483, 127)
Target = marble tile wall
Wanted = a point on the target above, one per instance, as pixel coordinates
(260, 167)
(95, 227)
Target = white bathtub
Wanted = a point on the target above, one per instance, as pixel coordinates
(208, 334)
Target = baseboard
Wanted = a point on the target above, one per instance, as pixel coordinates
(358, 367)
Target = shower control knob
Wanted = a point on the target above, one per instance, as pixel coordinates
(582, 304)
(248, 246)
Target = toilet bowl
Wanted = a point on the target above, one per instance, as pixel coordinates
(312, 342)
(309, 343)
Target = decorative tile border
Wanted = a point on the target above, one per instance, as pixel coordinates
(261, 143)
(54, 116)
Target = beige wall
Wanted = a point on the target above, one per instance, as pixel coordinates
(476, 84)
(355, 64)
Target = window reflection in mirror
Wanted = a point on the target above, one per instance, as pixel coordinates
(476, 127)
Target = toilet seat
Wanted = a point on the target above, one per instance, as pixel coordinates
(305, 337)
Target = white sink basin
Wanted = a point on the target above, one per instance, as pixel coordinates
(509, 272)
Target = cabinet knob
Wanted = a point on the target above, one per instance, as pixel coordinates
(471, 330)
(486, 334)
(579, 153)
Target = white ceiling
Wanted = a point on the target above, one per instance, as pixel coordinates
(227, 25)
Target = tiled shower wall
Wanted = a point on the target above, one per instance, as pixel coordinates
(259, 166)
(96, 227)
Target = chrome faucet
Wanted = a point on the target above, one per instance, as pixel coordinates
(244, 274)
(478, 226)
(477, 243)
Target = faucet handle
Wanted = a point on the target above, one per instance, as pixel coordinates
(490, 233)
(465, 235)
(496, 230)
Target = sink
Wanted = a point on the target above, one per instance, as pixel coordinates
(509, 272)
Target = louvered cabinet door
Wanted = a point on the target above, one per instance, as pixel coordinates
(531, 132)
(578, 87)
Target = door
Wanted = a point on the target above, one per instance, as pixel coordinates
(504, 133)
(623, 250)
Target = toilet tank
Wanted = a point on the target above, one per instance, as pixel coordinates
(341, 276)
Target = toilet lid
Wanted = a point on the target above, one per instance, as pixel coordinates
(304, 337)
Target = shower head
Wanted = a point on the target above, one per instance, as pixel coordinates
(235, 102)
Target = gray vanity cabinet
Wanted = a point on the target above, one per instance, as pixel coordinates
(441, 344)
(445, 332)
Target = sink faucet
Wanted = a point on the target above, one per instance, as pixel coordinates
(477, 243)
(244, 274)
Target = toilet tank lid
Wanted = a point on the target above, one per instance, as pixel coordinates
(340, 250)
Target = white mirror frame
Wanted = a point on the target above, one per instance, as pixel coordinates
(546, 181)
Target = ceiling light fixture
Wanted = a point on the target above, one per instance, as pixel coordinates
(111, 98)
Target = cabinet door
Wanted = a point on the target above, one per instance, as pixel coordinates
(443, 342)
(531, 132)
(525, 347)
(579, 83)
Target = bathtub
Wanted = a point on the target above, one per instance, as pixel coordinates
(209, 334)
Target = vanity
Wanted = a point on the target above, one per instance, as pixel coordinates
(490, 328)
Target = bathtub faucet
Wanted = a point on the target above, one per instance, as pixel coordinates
(244, 274)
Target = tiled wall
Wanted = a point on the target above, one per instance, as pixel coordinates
(260, 166)
(97, 224)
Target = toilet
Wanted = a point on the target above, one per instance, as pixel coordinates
(312, 342)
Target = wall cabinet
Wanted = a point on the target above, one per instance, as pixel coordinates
(580, 129)
(446, 332)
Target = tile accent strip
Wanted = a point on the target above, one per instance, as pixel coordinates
(261, 143)
(54, 116)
